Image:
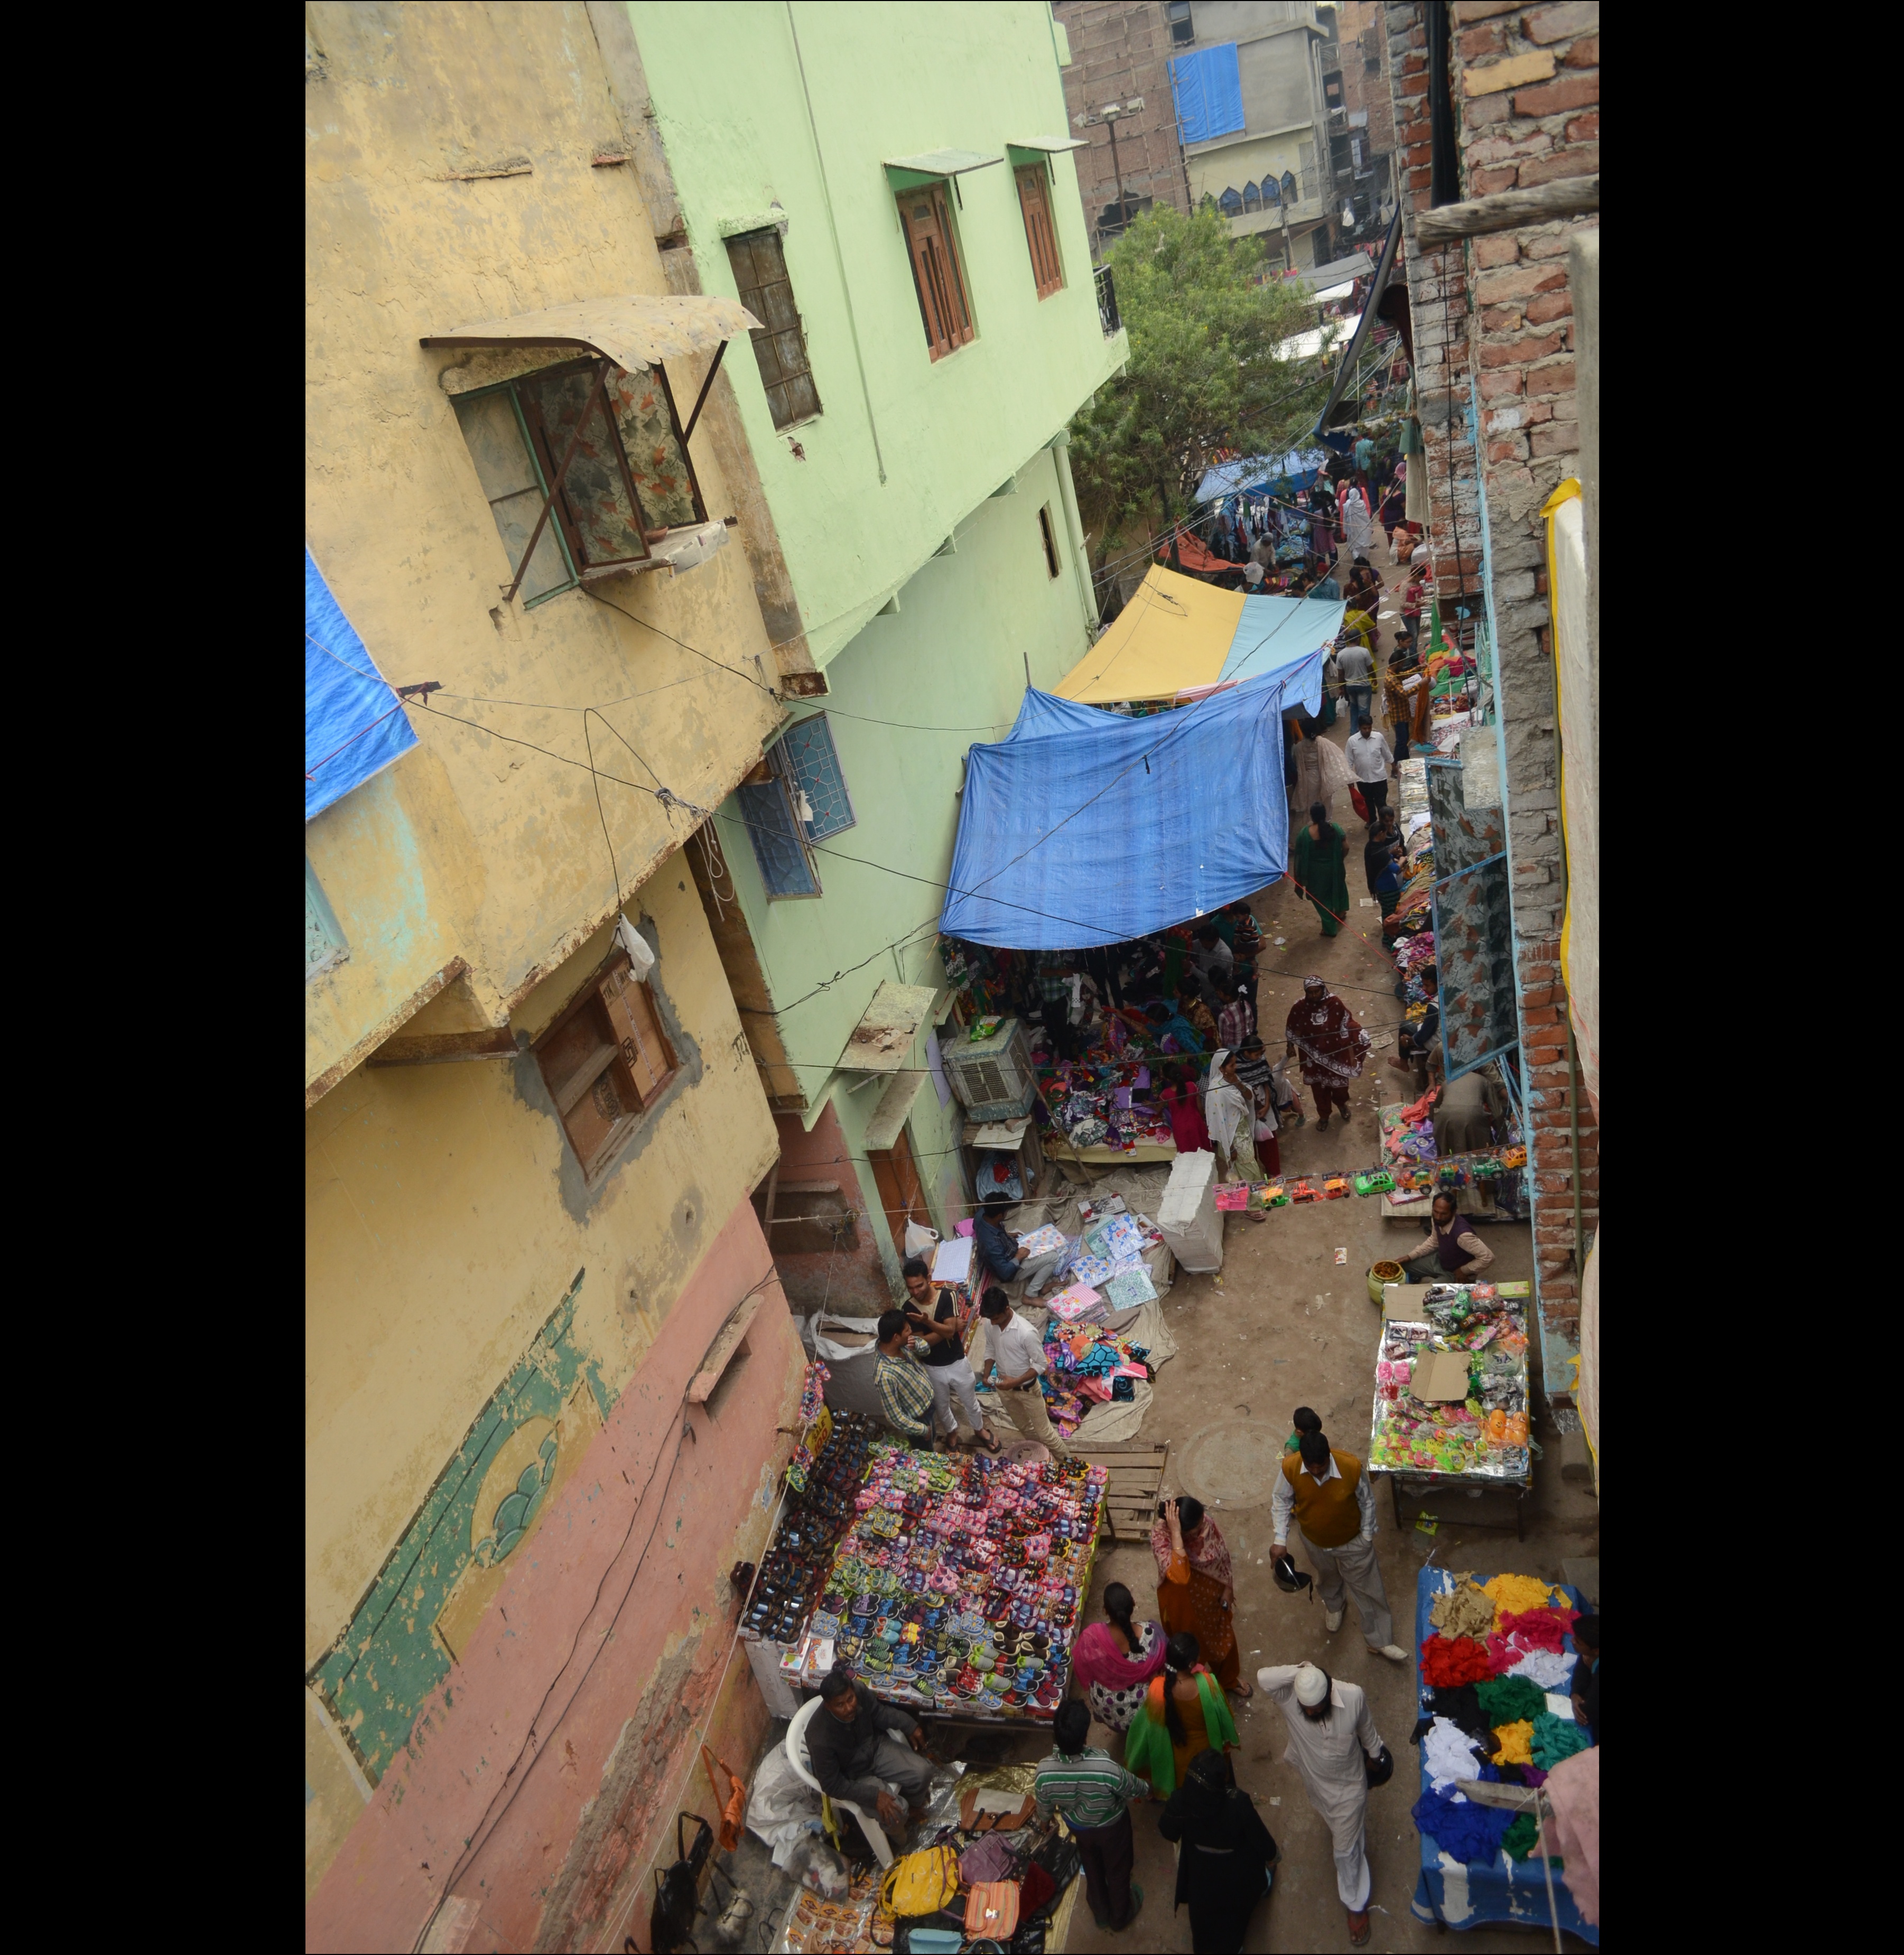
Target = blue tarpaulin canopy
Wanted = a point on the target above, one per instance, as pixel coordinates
(354, 725)
(1234, 478)
(1084, 827)
(1208, 86)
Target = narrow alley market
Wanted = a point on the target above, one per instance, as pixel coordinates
(952, 1089)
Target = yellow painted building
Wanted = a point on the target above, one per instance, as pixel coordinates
(549, 1368)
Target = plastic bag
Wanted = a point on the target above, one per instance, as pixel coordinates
(920, 1241)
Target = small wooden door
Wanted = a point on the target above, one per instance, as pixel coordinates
(900, 1194)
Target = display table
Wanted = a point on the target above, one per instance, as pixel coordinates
(1454, 1895)
(1473, 1445)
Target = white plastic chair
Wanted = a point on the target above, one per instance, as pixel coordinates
(796, 1756)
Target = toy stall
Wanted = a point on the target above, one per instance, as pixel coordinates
(1451, 1392)
(1497, 1716)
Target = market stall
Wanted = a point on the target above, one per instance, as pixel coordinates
(952, 1585)
(1496, 1658)
(1450, 1394)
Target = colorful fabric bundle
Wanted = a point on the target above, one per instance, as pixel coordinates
(1461, 1708)
(1506, 1700)
(1463, 1830)
(1555, 1739)
(1448, 1754)
(1518, 1843)
(1462, 1611)
(1459, 1660)
(1539, 1629)
(1516, 1743)
(1552, 1669)
(1515, 1594)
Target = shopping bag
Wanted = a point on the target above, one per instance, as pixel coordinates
(1355, 796)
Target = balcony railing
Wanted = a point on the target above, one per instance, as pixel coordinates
(1106, 302)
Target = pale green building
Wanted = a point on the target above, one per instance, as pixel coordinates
(891, 190)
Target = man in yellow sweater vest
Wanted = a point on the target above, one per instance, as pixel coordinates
(1328, 1496)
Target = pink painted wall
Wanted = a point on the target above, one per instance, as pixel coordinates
(852, 1281)
(694, 1505)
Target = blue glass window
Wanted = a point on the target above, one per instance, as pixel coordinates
(784, 866)
(1231, 203)
(816, 768)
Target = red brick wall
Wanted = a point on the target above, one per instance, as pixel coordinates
(1119, 49)
(1525, 84)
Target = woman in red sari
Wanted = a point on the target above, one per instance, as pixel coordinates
(1333, 1047)
(1195, 1589)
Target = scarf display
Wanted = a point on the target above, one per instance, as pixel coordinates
(1449, 1755)
(1460, 1707)
(1464, 1831)
(1099, 1657)
(1514, 1595)
(1461, 1661)
(1555, 1739)
(1552, 1670)
(1465, 1610)
(1506, 1699)
(1205, 1550)
(1516, 1742)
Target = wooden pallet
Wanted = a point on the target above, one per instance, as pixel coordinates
(1136, 1467)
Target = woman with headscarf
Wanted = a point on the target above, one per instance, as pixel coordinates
(1227, 1115)
(1394, 506)
(1317, 863)
(1333, 1046)
(1116, 1659)
(1322, 769)
(1322, 522)
(1195, 1589)
(1225, 1853)
(1183, 1715)
(1358, 518)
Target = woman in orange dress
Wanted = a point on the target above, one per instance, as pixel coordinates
(1195, 1591)
(1183, 1714)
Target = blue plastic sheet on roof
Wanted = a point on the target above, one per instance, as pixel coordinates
(354, 726)
(1208, 86)
(1234, 478)
(1082, 827)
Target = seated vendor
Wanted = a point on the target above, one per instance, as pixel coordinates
(1454, 1252)
(999, 1252)
(1412, 1045)
(1166, 1023)
(1193, 997)
(857, 1747)
(1586, 1684)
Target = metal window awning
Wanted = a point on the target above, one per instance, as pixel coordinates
(885, 1032)
(936, 164)
(1049, 145)
(636, 330)
(894, 1109)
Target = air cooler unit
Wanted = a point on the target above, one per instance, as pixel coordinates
(993, 1078)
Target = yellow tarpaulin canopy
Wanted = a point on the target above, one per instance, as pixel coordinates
(1172, 637)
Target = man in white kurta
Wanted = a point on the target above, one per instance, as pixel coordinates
(1330, 1733)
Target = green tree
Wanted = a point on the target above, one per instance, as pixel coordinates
(1204, 374)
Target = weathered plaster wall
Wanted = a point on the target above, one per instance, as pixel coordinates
(733, 111)
(469, 846)
(910, 695)
(852, 1280)
(663, 1504)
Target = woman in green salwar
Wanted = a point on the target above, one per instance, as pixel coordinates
(1318, 867)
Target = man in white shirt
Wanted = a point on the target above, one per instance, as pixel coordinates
(1369, 757)
(1357, 667)
(1016, 1365)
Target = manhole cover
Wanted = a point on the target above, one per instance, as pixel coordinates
(1234, 1462)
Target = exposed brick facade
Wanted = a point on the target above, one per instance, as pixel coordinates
(1119, 49)
(1362, 29)
(1525, 87)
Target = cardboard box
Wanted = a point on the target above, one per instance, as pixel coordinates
(1402, 1303)
(1442, 1376)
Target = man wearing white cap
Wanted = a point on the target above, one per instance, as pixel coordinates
(1330, 1734)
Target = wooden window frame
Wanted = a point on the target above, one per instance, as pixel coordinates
(1040, 229)
(1049, 535)
(939, 282)
(621, 1054)
(751, 294)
